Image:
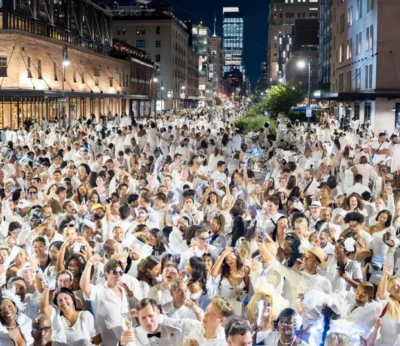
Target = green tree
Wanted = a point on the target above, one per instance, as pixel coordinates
(218, 101)
(281, 98)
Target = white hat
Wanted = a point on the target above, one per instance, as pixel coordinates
(23, 203)
(26, 267)
(315, 204)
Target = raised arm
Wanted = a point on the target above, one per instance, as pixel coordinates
(217, 266)
(45, 307)
(84, 283)
(382, 287)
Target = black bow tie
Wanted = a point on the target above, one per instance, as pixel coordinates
(155, 335)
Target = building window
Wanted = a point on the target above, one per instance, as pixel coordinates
(349, 49)
(158, 30)
(29, 64)
(371, 37)
(140, 43)
(121, 30)
(55, 71)
(357, 111)
(367, 112)
(138, 30)
(143, 30)
(96, 77)
(158, 57)
(111, 82)
(39, 69)
(158, 44)
(3, 66)
(359, 9)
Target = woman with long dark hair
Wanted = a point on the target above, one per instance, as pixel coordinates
(197, 282)
(51, 265)
(156, 238)
(234, 277)
(149, 270)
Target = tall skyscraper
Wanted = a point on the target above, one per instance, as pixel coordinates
(282, 17)
(325, 44)
(233, 39)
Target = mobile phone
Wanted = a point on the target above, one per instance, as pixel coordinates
(109, 200)
(77, 248)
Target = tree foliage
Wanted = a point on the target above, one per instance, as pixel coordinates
(281, 98)
(218, 101)
(254, 120)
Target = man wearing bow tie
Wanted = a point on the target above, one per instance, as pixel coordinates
(151, 332)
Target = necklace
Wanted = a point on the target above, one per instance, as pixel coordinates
(287, 343)
(12, 327)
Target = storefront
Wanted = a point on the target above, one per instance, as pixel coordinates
(16, 107)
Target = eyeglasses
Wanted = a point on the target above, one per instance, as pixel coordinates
(41, 330)
(118, 272)
(207, 240)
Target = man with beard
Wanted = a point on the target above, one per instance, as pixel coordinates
(41, 331)
(309, 185)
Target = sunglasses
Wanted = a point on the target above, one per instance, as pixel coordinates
(71, 225)
(118, 272)
(41, 330)
(207, 240)
(32, 192)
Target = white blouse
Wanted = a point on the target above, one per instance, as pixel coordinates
(80, 334)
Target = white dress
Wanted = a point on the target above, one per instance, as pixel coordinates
(390, 328)
(80, 334)
(227, 291)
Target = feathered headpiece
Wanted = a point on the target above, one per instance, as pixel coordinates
(11, 295)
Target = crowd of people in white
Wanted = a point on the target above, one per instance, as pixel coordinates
(181, 230)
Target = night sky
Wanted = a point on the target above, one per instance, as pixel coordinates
(255, 24)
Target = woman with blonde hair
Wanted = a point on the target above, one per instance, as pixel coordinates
(301, 229)
(244, 250)
(338, 339)
(260, 311)
(389, 295)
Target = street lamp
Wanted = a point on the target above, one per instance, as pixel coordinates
(65, 62)
(302, 64)
(155, 80)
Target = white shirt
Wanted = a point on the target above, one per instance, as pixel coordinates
(381, 146)
(302, 282)
(358, 188)
(194, 330)
(182, 312)
(108, 310)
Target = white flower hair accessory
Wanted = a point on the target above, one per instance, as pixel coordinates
(349, 244)
(11, 295)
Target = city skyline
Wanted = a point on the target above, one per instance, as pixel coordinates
(255, 25)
